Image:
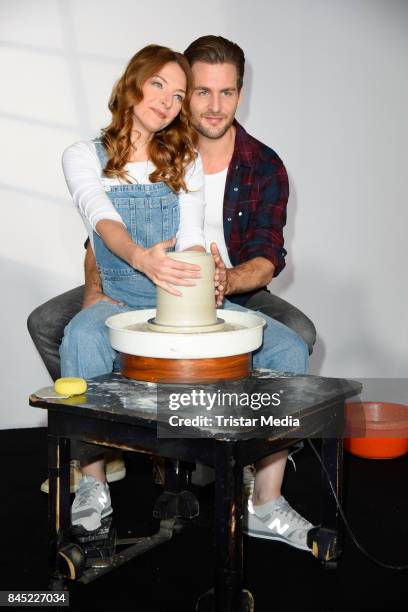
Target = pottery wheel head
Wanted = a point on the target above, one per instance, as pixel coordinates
(180, 329)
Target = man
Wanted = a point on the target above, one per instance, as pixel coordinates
(246, 196)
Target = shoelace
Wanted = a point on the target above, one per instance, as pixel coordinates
(293, 515)
(286, 511)
(84, 495)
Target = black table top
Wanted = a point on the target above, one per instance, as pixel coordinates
(306, 398)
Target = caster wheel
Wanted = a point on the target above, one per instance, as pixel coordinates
(71, 561)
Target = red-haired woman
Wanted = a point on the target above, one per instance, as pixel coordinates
(137, 186)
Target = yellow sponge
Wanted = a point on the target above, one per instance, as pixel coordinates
(70, 386)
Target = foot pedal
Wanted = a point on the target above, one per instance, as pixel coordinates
(324, 543)
(83, 536)
(98, 546)
(171, 505)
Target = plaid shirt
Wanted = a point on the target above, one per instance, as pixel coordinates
(256, 194)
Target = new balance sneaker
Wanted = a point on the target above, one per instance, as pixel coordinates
(115, 470)
(277, 520)
(91, 504)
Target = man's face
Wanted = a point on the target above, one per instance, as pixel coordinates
(215, 98)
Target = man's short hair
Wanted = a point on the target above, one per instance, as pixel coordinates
(217, 50)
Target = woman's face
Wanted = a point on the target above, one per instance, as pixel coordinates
(163, 94)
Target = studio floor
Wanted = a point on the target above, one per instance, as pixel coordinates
(172, 576)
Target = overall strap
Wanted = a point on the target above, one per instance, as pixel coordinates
(101, 152)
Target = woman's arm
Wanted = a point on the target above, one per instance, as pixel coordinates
(83, 176)
(153, 261)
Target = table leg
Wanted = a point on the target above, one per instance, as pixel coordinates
(228, 595)
(228, 528)
(327, 539)
(58, 501)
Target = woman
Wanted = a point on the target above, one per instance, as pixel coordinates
(136, 187)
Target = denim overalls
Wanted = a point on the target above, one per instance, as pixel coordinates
(151, 214)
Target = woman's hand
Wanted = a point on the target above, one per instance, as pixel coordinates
(163, 270)
(220, 275)
(153, 261)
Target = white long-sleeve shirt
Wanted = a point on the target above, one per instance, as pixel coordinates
(87, 186)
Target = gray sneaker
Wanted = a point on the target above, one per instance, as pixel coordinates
(277, 521)
(91, 504)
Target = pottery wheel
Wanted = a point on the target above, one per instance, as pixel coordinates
(129, 333)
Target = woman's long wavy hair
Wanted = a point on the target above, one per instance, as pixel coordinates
(171, 149)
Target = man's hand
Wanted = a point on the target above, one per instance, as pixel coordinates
(220, 275)
(93, 286)
(248, 276)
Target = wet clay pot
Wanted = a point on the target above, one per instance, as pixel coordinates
(196, 306)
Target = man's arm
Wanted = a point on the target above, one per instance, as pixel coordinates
(261, 253)
(248, 276)
(255, 240)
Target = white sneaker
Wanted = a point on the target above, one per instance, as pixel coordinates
(277, 520)
(91, 504)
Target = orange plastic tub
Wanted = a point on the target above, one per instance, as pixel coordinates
(376, 430)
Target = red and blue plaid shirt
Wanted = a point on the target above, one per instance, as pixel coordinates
(255, 198)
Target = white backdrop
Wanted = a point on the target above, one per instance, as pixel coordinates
(326, 88)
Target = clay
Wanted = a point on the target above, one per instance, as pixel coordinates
(196, 306)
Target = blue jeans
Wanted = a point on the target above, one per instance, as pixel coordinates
(282, 349)
(85, 350)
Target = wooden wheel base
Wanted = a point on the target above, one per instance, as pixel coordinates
(154, 369)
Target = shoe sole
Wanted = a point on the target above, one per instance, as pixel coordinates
(261, 535)
(110, 477)
(81, 530)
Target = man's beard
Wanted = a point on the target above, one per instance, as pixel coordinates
(213, 133)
